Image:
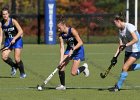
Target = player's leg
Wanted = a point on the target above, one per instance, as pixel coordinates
(9, 61)
(135, 66)
(123, 74)
(62, 75)
(78, 57)
(19, 63)
(76, 70)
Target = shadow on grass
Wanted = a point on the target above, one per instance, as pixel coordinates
(7, 77)
(85, 88)
(104, 89)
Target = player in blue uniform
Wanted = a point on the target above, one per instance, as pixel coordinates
(130, 41)
(13, 35)
(74, 49)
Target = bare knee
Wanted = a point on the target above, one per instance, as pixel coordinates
(4, 57)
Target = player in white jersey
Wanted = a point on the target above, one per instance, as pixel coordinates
(129, 39)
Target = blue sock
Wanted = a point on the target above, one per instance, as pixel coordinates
(123, 76)
(136, 67)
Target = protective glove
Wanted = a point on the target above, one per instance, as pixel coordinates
(114, 61)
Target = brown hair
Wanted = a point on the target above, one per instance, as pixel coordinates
(5, 9)
(119, 16)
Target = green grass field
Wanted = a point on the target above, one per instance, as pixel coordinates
(41, 60)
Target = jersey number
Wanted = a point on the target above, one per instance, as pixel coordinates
(10, 35)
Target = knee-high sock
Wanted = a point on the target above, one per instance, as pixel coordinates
(10, 62)
(123, 76)
(135, 67)
(20, 66)
(62, 77)
(80, 69)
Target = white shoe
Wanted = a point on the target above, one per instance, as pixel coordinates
(60, 87)
(86, 71)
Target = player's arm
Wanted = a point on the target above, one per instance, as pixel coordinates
(77, 37)
(20, 31)
(61, 48)
(1, 35)
(121, 47)
(134, 40)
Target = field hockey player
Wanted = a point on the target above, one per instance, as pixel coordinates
(130, 42)
(74, 48)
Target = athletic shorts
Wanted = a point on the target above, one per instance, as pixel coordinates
(18, 43)
(132, 54)
(77, 54)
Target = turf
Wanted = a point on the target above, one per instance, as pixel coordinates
(41, 60)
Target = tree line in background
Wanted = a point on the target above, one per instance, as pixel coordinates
(90, 17)
(69, 6)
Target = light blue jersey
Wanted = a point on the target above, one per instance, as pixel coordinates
(125, 36)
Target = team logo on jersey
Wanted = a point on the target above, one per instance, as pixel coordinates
(9, 29)
(71, 39)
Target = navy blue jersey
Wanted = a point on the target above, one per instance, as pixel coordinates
(9, 30)
(71, 42)
(69, 38)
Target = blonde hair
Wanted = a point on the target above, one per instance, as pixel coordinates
(61, 19)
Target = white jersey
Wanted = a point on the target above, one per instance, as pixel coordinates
(125, 36)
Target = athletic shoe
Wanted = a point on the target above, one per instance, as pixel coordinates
(114, 89)
(23, 75)
(13, 71)
(60, 87)
(86, 71)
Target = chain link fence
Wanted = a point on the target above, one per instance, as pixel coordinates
(93, 28)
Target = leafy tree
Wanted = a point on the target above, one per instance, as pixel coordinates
(111, 6)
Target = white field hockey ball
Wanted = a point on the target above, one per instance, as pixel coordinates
(39, 88)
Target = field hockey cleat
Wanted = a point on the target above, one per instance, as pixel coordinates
(23, 75)
(60, 87)
(86, 71)
(114, 89)
(13, 71)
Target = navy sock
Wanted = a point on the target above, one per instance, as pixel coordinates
(62, 77)
(80, 69)
(10, 62)
(20, 66)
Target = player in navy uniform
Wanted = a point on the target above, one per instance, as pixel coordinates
(74, 49)
(13, 35)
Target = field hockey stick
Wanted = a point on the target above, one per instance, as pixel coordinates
(41, 87)
(5, 47)
(109, 68)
